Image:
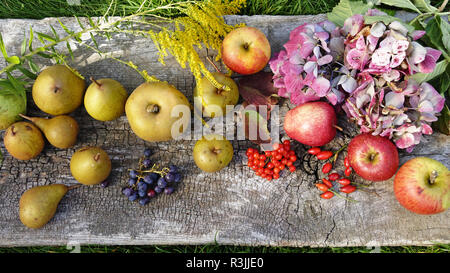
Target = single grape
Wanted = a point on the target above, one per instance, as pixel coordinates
(133, 173)
(154, 176)
(170, 177)
(127, 191)
(142, 193)
(157, 189)
(162, 183)
(151, 193)
(143, 201)
(146, 163)
(105, 184)
(141, 186)
(173, 168)
(132, 181)
(133, 196)
(169, 190)
(147, 152)
(148, 179)
(177, 178)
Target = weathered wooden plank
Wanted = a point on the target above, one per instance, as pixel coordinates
(231, 206)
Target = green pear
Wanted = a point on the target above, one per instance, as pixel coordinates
(105, 99)
(23, 140)
(90, 165)
(214, 100)
(149, 111)
(60, 131)
(38, 205)
(57, 90)
(212, 153)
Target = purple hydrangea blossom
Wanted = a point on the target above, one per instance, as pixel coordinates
(365, 69)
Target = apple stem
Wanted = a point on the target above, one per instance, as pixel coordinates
(12, 130)
(152, 108)
(213, 64)
(96, 82)
(97, 157)
(433, 176)
(339, 128)
(217, 151)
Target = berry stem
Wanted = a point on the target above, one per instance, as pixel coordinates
(73, 187)
(336, 154)
(344, 197)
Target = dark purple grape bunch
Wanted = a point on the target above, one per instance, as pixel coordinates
(148, 181)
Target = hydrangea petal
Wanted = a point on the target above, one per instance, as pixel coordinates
(321, 85)
(377, 29)
(429, 63)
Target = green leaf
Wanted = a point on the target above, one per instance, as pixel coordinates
(425, 77)
(406, 4)
(43, 36)
(443, 122)
(17, 85)
(387, 20)
(30, 40)
(70, 49)
(345, 9)
(54, 32)
(434, 32)
(79, 22)
(23, 48)
(424, 5)
(33, 66)
(93, 39)
(2, 47)
(45, 55)
(27, 72)
(445, 82)
(13, 60)
(65, 28)
(445, 30)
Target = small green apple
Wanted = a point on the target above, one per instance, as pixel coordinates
(212, 153)
(214, 99)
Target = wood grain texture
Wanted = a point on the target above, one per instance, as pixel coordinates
(232, 206)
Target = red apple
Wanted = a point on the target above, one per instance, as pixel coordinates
(422, 185)
(245, 50)
(374, 158)
(311, 123)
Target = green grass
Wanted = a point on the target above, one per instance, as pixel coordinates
(52, 8)
(38, 9)
(223, 249)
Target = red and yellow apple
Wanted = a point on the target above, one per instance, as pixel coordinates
(245, 50)
(422, 185)
(374, 158)
(311, 123)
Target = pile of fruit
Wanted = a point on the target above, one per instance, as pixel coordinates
(269, 164)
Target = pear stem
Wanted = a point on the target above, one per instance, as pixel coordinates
(433, 176)
(213, 64)
(73, 187)
(25, 117)
(96, 82)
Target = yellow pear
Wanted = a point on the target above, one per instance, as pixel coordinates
(23, 140)
(57, 90)
(90, 165)
(60, 131)
(105, 99)
(38, 205)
